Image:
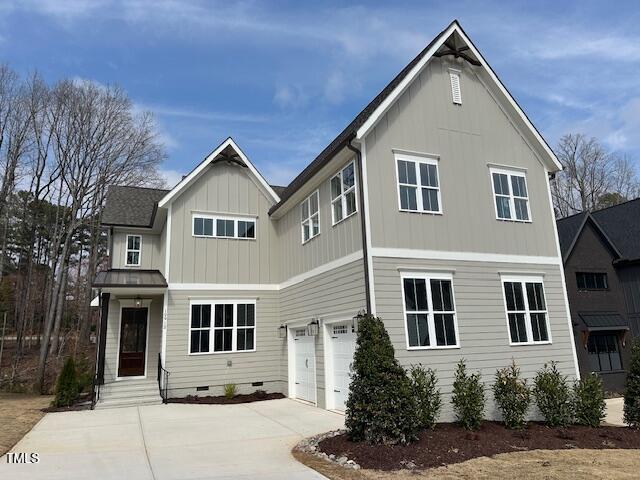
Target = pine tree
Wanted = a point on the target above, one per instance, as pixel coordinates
(632, 389)
(67, 388)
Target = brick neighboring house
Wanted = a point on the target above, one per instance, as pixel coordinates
(601, 256)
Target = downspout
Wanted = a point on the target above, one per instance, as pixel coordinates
(365, 252)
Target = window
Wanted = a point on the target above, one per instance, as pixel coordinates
(430, 314)
(343, 193)
(526, 310)
(134, 248)
(310, 216)
(456, 93)
(592, 281)
(418, 184)
(233, 329)
(603, 352)
(511, 196)
(223, 227)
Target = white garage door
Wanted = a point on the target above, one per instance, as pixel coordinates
(343, 342)
(305, 368)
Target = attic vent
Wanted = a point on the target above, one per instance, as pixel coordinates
(456, 94)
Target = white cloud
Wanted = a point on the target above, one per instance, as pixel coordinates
(168, 111)
(171, 177)
(290, 96)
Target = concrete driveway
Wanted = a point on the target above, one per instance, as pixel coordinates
(174, 441)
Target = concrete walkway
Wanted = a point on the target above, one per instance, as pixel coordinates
(174, 441)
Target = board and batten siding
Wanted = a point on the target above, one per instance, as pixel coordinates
(335, 295)
(154, 326)
(482, 322)
(151, 253)
(228, 190)
(334, 241)
(466, 138)
(212, 370)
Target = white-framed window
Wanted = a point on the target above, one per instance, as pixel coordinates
(456, 92)
(222, 226)
(429, 310)
(343, 193)
(310, 216)
(418, 184)
(526, 307)
(511, 196)
(222, 326)
(133, 251)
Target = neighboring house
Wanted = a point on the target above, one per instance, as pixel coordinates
(601, 255)
(432, 210)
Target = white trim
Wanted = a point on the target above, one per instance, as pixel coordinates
(169, 197)
(214, 229)
(502, 166)
(234, 327)
(379, 112)
(309, 217)
(418, 159)
(167, 253)
(367, 226)
(455, 73)
(427, 277)
(562, 276)
(510, 172)
(413, 268)
(463, 256)
(133, 250)
(352, 257)
(342, 197)
(130, 303)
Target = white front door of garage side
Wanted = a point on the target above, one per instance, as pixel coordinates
(343, 341)
(305, 372)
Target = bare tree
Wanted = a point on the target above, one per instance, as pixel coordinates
(592, 177)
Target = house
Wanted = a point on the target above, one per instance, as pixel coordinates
(431, 209)
(601, 256)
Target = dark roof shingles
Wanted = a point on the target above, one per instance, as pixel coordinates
(131, 206)
(568, 229)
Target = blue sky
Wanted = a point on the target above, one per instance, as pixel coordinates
(283, 78)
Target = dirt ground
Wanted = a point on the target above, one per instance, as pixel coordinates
(18, 414)
(538, 464)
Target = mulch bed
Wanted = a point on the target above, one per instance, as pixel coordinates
(222, 400)
(448, 444)
(82, 403)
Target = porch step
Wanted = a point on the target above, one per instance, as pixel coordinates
(127, 393)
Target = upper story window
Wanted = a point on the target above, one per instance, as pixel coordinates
(456, 92)
(430, 313)
(134, 250)
(511, 195)
(592, 281)
(526, 310)
(418, 184)
(343, 193)
(232, 330)
(223, 227)
(310, 216)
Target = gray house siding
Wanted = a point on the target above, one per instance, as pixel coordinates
(466, 138)
(334, 295)
(217, 369)
(223, 189)
(482, 321)
(151, 254)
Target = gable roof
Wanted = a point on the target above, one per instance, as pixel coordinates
(368, 117)
(131, 206)
(226, 151)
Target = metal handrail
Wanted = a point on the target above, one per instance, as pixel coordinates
(95, 391)
(163, 379)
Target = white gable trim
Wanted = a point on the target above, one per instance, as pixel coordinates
(379, 112)
(186, 181)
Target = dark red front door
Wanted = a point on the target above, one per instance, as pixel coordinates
(133, 342)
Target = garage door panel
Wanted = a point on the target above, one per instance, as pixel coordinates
(305, 368)
(343, 347)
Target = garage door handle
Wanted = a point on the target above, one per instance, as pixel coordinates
(297, 383)
(306, 362)
(337, 391)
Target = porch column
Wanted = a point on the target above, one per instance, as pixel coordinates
(102, 336)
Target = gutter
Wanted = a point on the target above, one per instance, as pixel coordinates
(365, 253)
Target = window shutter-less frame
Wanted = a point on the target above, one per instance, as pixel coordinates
(456, 93)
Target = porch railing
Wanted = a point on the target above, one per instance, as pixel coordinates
(163, 379)
(95, 391)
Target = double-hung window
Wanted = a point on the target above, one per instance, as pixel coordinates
(418, 184)
(526, 310)
(511, 196)
(223, 227)
(134, 250)
(310, 216)
(232, 330)
(343, 193)
(430, 314)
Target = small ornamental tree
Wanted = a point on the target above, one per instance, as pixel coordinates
(468, 397)
(67, 387)
(381, 408)
(588, 401)
(512, 396)
(427, 395)
(553, 396)
(632, 389)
